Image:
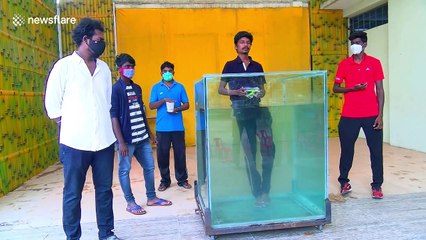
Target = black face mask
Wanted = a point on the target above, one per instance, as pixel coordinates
(96, 47)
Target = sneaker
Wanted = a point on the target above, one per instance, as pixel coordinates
(346, 189)
(185, 185)
(377, 193)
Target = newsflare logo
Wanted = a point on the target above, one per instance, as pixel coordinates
(19, 20)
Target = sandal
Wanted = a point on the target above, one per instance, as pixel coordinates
(160, 202)
(163, 187)
(186, 185)
(136, 210)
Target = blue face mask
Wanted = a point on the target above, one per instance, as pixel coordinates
(167, 76)
(127, 72)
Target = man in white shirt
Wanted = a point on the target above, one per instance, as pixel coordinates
(78, 98)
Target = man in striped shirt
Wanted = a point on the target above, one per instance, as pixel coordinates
(133, 133)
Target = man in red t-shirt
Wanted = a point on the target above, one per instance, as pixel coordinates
(364, 97)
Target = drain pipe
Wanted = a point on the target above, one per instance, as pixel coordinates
(115, 27)
(58, 12)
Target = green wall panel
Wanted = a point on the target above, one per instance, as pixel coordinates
(328, 48)
(28, 140)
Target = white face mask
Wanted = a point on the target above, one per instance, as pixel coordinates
(356, 48)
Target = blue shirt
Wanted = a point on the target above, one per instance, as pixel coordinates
(199, 102)
(169, 122)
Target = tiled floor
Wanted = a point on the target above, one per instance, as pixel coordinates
(33, 211)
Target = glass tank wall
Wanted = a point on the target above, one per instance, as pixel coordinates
(262, 155)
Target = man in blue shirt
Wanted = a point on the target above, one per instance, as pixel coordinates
(252, 120)
(169, 126)
(132, 131)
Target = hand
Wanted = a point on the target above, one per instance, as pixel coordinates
(58, 120)
(378, 123)
(122, 148)
(360, 86)
(154, 140)
(175, 111)
(260, 94)
(240, 92)
(168, 100)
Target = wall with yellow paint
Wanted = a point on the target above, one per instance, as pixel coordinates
(200, 41)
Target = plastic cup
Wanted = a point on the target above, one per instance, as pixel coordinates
(170, 106)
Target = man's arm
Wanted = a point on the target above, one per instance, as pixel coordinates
(115, 114)
(339, 89)
(262, 92)
(183, 107)
(151, 135)
(378, 124)
(154, 102)
(199, 97)
(224, 91)
(157, 104)
(54, 93)
(184, 100)
(222, 88)
(122, 147)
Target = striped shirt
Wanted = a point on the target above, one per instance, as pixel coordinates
(137, 124)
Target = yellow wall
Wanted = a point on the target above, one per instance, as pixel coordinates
(200, 41)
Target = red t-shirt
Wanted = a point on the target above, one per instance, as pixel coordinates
(361, 103)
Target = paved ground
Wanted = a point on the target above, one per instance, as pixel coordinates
(33, 211)
(395, 217)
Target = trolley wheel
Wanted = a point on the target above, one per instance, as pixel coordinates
(197, 211)
(213, 237)
(320, 227)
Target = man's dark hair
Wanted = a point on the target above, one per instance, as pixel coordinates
(358, 34)
(86, 26)
(123, 58)
(167, 64)
(242, 34)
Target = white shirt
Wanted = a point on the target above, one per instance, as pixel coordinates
(82, 101)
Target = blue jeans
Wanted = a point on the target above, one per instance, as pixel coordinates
(76, 163)
(143, 154)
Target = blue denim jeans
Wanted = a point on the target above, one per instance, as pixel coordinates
(143, 154)
(76, 163)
